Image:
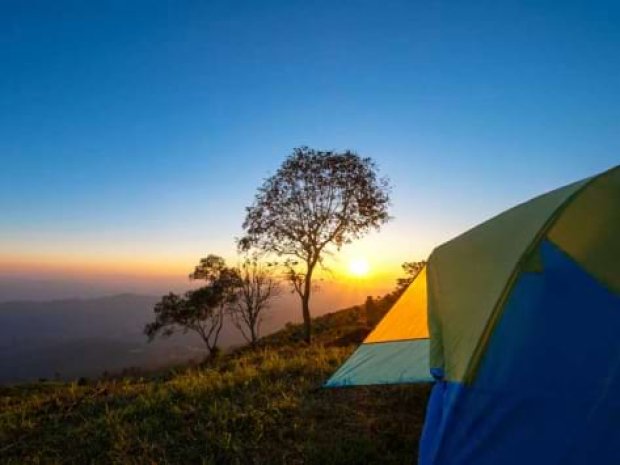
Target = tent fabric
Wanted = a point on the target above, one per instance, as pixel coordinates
(397, 350)
(589, 230)
(468, 275)
(403, 322)
(543, 382)
(398, 362)
(523, 314)
(547, 388)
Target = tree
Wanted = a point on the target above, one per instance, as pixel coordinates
(214, 272)
(315, 201)
(257, 285)
(201, 310)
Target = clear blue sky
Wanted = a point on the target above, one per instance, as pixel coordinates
(137, 131)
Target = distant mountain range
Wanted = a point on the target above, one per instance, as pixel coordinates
(45, 288)
(84, 337)
(71, 338)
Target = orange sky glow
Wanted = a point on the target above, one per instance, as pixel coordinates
(172, 265)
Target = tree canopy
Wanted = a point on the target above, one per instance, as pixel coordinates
(315, 200)
(200, 311)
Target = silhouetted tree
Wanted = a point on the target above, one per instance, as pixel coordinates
(257, 285)
(314, 201)
(214, 272)
(201, 310)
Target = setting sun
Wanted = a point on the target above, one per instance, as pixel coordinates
(359, 267)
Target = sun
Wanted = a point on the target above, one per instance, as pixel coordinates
(359, 267)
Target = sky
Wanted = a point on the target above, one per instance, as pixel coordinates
(134, 133)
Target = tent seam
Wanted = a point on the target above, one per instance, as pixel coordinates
(474, 362)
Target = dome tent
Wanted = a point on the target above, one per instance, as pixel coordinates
(518, 321)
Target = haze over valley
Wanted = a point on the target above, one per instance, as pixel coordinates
(87, 336)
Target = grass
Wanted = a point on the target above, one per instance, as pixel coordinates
(256, 406)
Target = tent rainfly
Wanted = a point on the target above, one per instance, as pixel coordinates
(518, 323)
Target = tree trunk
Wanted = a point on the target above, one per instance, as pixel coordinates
(209, 355)
(305, 301)
(253, 335)
(305, 308)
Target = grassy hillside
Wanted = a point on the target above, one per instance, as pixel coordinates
(256, 406)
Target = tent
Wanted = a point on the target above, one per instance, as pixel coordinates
(518, 322)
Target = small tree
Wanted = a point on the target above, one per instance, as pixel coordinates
(315, 200)
(200, 311)
(257, 286)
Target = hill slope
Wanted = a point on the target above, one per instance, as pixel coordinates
(256, 406)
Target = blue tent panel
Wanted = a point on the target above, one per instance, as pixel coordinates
(547, 386)
(394, 362)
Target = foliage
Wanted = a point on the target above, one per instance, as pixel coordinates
(209, 268)
(242, 293)
(260, 405)
(316, 200)
(217, 275)
(200, 311)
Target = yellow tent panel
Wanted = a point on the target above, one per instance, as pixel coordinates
(408, 317)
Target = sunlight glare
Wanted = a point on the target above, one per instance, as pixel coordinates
(359, 267)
